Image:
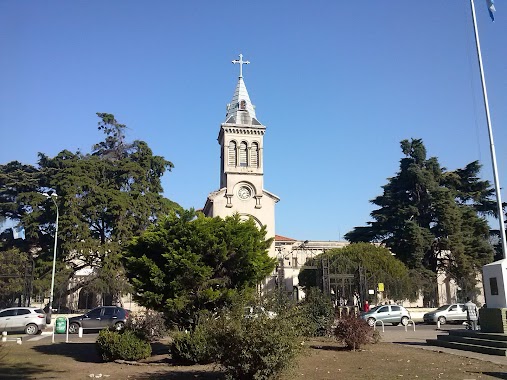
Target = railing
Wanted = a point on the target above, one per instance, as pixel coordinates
(375, 325)
(408, 324)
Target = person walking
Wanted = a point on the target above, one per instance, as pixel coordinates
(471, 309)
(366, 306)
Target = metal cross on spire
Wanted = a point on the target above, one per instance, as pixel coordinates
(241, 63)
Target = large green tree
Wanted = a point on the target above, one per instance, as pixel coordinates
(378, 265)
(104, 198)
(188, 262)
(431, 218)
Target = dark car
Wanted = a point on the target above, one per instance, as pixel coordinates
(100, 318)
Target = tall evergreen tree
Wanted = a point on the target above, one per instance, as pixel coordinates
(431, 218)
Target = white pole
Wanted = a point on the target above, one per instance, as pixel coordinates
(53, 196)
(490, 131)
(67, 330)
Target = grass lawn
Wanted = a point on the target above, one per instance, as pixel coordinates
(324, 359)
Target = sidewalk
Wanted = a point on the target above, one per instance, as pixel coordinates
(418, 339)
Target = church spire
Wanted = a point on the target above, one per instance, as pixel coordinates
(241, 110)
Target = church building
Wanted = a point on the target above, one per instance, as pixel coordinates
(241, 139)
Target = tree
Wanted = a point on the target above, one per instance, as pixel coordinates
(104, 199)
(13, 266)
(431, 218)
(378, 263)
(188, 262)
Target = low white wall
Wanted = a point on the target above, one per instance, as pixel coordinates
(417, 313)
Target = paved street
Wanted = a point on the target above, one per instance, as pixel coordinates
(45, 337)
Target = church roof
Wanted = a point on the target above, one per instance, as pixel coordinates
(241, 110)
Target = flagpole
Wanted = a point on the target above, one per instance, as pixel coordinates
(490, 132)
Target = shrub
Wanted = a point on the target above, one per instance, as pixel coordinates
(318, 311)
(195, 347)
(257, 348)
(149, 326)
(126, 345)
(355, 332)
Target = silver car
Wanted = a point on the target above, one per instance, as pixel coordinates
(393, 314)
(31, 320)
(455, 312)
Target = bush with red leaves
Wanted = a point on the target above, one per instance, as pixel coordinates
(355, 332)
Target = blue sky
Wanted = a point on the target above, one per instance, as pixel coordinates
(337, 83)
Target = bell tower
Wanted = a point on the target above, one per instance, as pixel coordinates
(241, 139)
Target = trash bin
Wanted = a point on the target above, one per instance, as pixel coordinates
(61, 325)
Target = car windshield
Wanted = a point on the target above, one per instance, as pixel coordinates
(375, 308)
(443, 307)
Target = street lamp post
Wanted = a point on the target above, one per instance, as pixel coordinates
(53, 197)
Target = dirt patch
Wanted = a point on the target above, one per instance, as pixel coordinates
(324, 359)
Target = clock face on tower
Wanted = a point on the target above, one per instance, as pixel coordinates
(244, 192)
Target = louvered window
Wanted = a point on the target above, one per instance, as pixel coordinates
(242, 154)
(254, 155)
(232, 153)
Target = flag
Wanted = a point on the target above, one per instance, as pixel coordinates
(18, 232)
(491, 8)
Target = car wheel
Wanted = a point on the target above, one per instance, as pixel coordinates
(118, 326)
(31, 329)
(73, 328)
(404, 321)
(442, 320)
(371, 321)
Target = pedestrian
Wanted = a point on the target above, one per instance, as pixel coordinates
(366, 306)
(471, 309)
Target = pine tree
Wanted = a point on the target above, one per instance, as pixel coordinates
(433, 219)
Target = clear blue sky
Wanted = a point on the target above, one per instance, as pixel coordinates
(337, 83)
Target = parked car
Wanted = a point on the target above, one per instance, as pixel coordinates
(393, 314)
(455, 312)
(100, 318)
(256, 311)
(31, 320)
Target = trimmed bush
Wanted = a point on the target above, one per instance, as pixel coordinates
(150, 326)
(126, 345)
(355, 332)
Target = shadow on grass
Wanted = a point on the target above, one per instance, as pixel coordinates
(328, 348)
(497, 375)
(81, 352)
(22, 371)
(415, 344)
(183, 375)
